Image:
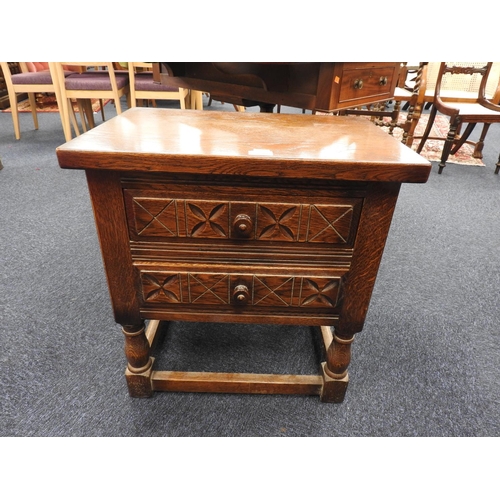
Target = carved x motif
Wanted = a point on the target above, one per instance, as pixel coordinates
(207, 220)
(330, 224)
(319, 293)
(162, 287)
(277, 224)
(272, 291)
(155, 217)
(209, 289)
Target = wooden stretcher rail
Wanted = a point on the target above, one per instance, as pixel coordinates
(243, 383)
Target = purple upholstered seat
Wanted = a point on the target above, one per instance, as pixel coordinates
(144, 82)
(36, 78)
(95, 80)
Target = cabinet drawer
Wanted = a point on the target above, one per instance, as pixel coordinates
(156, 217)
(233, 290)
(358, 84)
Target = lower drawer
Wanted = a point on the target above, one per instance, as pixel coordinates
(232, 291)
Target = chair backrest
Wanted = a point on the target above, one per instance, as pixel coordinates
(33, 67)
(84, 85)
(143, 86)
(477, 72)
(463, 86)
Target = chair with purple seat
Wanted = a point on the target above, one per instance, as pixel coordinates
(142, 86)
(90, 84)
(34, 78)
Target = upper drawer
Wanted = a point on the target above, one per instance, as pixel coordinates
(373, 83)
(159, 217)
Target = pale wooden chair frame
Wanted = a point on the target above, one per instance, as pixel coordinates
(182, 95)
(31, 89)
(83, 97)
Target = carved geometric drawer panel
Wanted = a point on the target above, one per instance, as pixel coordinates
(159, 218)
(166, 287)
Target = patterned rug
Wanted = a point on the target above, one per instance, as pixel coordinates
(433, 148)
(48, 104)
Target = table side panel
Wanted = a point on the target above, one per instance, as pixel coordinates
(107, 203)
(371, 238)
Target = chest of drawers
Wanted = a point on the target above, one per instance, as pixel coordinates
(241, 218)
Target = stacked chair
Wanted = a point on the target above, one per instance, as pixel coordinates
(96, 80)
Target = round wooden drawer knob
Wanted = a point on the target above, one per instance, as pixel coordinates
(243, 226)
(241, 295)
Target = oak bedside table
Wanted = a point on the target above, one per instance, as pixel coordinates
(241, 218)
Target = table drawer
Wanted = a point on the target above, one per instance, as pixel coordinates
(358, 83)
(156, 217)
(233, 290)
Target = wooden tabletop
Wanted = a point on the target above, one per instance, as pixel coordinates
(247, 144)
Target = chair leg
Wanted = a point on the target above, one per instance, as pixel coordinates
(430, 123)
(395, 117)
(65, 117)
(463, 138)
(85, 105)
(450, 138)
(15, 117)
(118, 107)
(498, 165)
(478, 149)
(412, 119)
(101, 103)
(72, 118)
(32, 100)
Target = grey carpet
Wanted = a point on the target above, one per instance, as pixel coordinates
(426, 363)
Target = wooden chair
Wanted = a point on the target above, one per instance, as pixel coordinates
(142, 86)
(87, 85)
(454, 88)
(31, 83)
(484, 110)
(458, 87)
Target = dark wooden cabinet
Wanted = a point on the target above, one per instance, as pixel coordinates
(241, 218)
(318, 86)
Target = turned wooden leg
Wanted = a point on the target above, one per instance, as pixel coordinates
(335, 376)
(139, 368)
(478, 150)
(447, 146)
(395, 117)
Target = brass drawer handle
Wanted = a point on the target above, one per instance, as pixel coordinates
(358, 84)
(383, 81)
(243, 226)
(241, 295)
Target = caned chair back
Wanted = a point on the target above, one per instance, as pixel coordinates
(463, 86)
